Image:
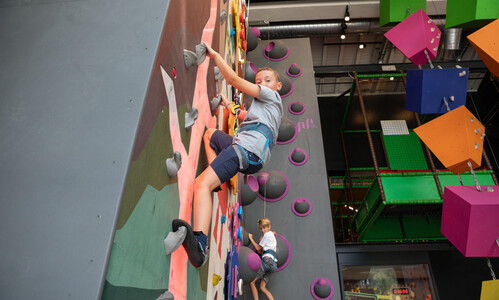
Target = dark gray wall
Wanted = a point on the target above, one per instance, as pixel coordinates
(311, 237)
(73, 78)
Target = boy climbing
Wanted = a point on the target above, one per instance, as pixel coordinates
(246, 152)
(268, 246)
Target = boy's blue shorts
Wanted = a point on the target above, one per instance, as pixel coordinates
(226, 164)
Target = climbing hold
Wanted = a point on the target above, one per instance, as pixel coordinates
(296, 108)
(240, 212)
(263, 178)
(275, 188)
(216, 279)
(215, 102)
(240, 286)
(166, 296)
(249, 263)
(190, 117)
(287, 131)
(248, 194)
(173, 164)
(322, 289)
(283, 253)
(190, 58)
(250, 71)
(232, 32)
(287, 87)
(222, 219)
(276, 51)
(240, 231)
(218, 75)
(253, 38)
(174, 239)
(302, 207)
(298, 157)
(223, 16)
(200, 53)
(294, 70)
(252, 182)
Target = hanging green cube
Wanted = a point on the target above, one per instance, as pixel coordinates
(471, 13)
(392, 12)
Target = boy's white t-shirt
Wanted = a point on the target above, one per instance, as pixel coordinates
(267, 242)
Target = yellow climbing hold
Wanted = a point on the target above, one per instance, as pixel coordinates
(216, 279)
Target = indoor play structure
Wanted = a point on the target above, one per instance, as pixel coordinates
(94, 174)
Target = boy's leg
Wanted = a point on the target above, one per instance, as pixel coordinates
(210, 152)
(254, 291)
(263, 288)
(203, 186)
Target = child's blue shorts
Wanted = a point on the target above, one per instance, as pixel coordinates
(226, 164)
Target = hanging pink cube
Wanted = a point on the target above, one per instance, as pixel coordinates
(415, 35)
(470, 219)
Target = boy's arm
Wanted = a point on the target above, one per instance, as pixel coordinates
(257, 247)
(231, 76)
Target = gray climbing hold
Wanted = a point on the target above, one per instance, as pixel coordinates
(246, 193)
(253, 38)
(249, 263)
(173, 164)
(166, 296)
(298, 156)
(174, 240)
(275, 188)
(302, 206)
(190, 117)
(215, 102)
(190, 58)
(287, 87)
(223, 16)
(250, 71)
(322, 288)
(200, 53)
(276, 51)
(287, 131)
(294, 70)
(297, 107)
(282, 252)
(218, 75)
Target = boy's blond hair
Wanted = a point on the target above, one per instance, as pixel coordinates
(276, 74)
(263, 222)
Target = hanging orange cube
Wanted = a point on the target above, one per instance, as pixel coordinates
(486, 45)
(455, 138)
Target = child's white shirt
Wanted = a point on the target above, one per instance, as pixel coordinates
(267, 242)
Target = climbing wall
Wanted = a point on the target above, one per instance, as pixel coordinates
(174, 117)
(295, 196)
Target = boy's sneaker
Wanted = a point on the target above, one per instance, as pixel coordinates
(196, 255)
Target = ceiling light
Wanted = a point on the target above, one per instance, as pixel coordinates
(347, 15)
(362, 46)
(343, 28)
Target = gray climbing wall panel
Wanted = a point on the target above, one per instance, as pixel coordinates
(311, 237)
(72, 85)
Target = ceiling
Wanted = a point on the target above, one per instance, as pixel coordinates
(335, 59)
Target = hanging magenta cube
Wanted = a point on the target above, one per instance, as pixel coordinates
(470, 219)
(415, 35)
(426, 89)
